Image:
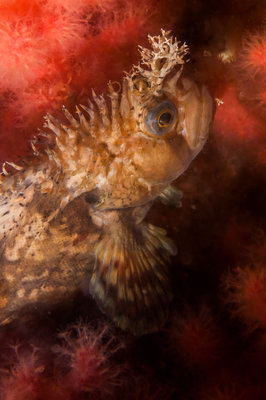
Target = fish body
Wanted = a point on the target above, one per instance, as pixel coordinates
(74, 212)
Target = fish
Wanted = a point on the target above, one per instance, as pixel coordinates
(72, 214)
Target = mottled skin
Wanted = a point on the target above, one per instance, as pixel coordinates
(74, 212)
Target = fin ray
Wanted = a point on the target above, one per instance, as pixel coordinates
(130, 280)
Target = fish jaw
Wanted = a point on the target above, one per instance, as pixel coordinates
(197, 110)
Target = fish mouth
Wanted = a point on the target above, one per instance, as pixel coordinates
(197, 112)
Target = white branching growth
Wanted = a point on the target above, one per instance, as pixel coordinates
(165, 54)
(142, 85)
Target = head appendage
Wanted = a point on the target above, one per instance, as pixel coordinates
(165, 54)
(163, 46)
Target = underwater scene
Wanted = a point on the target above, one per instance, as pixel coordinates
(132, 200)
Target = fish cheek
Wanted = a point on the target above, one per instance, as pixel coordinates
(164, 160)
(151, 160)
(174, 157)
(179, 157)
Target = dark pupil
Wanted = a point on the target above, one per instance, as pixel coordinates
(165, 119)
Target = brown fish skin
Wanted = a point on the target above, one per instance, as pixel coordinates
(48, 267)
(75, 211)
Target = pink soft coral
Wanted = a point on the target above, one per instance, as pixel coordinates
(246, 293)
(24, 380)
(88, 353)
(196, 338)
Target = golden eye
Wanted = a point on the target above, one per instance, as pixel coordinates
(161, 119)
(164, 118)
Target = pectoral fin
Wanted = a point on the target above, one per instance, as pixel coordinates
(130, 280)
(171, 196)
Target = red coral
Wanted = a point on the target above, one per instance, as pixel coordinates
(24, 380)
(233, 121)
(253, 54)
(250, 72)
(246, 294)
(196, 338)
(19, 48)
(89, 353)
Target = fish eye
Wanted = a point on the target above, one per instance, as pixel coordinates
(161, 118)
(164, 119)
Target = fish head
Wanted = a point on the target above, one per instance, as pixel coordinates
(171, 129)
(140, 141)
(164, 120)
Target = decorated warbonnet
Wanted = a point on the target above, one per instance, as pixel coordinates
(71, 217)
